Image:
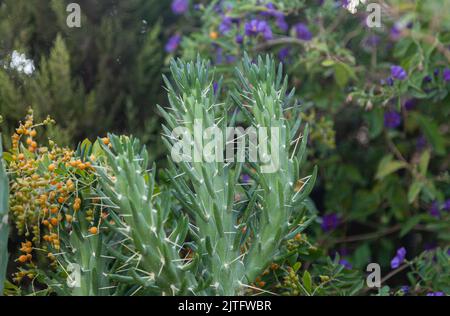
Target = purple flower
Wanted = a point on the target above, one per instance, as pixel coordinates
(283, 53)
(390, 81)
(396, 32)
(180, 6)
(446, 205)
(372, 41)
(215, 87)
(245, 178)
(330, 222)
(434, 210)
(225, 25)
(399, 258)
(436, 294)
(410, 104)
(255, 27)
(397, 72)
(281, 23)
(346, 264)
(172, 43)
(446, 74)
(239, 39)
(230, 59)
(392, 119)
(427, 79)
(421, 143)
(302, 32)
(404, 289)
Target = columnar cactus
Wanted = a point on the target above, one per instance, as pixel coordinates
(4, 226)
(223, 232)
(129, 190)
(236, 239)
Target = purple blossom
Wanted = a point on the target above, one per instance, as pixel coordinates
(410, 104)
(255, 27)
(390, 81)
(372, 41)
(434, 210)
(446, 74)
(427, 79)
(436, 294)
(421, 143)
(346, 264)
(396, 32)
(302, 31)
(392, 119)
(180, 6)
(397, 72)
(446, 205)
(225, 25)
(245, 178)
(284, 53)
(215, 87)
(405, 289)
(330, 222)
(399, 258)
(281, 23)
(173, 43)
(239, 39)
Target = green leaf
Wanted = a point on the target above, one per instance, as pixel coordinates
(410, 223)
(424, 162)
(388, 166)
(432, 133)
(343, 73)
(328, 63)
(307, 282)
(414, 190)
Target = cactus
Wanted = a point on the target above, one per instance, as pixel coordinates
(4, 226)
(129, 190)
(232, 230)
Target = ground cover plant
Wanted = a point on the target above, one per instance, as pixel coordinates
(352, 172)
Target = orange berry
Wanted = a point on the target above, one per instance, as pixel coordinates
(54, 221)
(82, 166)
(213, 35)
(61, 200)
(45, 222)
(93, 230)
(298, 237)
(69, 218)
(21, 156)
(54, 209)
(33, 133)
(29, 141)
(33, 144)
(29, 257)
(51, 167)
(23, 259)
(105, 140)
(262, 284)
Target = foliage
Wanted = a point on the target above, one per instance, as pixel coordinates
(375, 99)
(110, 67)
(369, 103)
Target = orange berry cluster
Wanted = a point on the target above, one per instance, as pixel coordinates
(26, 250)
(44, 189)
